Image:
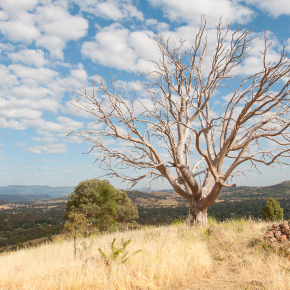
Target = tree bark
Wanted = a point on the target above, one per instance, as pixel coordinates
(75, 246)
(196, 216)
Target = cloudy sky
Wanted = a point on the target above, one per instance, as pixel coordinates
(48, 46)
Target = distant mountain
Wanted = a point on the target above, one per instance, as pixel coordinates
(36, 190)
(20, 197)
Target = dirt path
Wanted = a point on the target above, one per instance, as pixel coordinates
(225, 279)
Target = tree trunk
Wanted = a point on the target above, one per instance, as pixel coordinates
(75, 246)
(196, 216)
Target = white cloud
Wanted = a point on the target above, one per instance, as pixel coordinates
(155, 24)
(3, 15)
(45, 168)
(49, 148)
(190, 11)
(115, 46)
(45, 139)
(43, 125)
(274, 8)
(20, 28)
(6, 46)
(16, 5)
(69, 124)
(28, 167)
(40, 75)
(11, 124)
(29, 57)
(111, 9)
(6, 78)
(30, 92)
(69, 170)
(50, 25)
(45, 104)
(53, 20)
(54, 44)
(80, 74)
(22, 113)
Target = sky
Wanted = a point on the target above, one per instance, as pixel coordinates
(49, 48)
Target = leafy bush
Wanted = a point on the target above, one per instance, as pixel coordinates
(101, 203)
(272, 210)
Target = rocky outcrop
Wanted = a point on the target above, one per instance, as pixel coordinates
(278, 233)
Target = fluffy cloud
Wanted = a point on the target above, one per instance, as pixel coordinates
(69, 124)
(112, 9)
(49, 25)
(11, 124)
(45, 104)
(115, 46)
(29, 57)
(20, 29)
(22, 113)
(6, 78)
(274, 8)
(155, 24)
(39, 75)
(190, 11)
(16, 5)
(45, 140)
(49, 148)
(53, 20)
(43, 125)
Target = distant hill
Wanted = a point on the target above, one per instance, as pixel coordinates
(16, 193)
(19, 193)
(21, 197)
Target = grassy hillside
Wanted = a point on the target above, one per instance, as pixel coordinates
(172, 257)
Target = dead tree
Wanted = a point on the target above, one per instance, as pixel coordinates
(182, 134)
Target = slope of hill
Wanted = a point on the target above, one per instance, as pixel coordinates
(21, 197)
(172, 257)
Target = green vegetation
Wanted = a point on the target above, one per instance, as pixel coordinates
(272, 210)
(25, 222)
(102, 204)
(117, 252)
(22, 223)
(76, 226)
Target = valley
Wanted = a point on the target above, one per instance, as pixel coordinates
(27, 220)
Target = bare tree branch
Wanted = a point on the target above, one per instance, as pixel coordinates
(176, 130)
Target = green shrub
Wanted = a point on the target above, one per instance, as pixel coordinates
(272, 210)
(117, 252)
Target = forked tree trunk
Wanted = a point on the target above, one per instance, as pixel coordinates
(196, 216)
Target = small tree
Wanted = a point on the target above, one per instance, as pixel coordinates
(272, 210)
(76, 226)
(101, 204)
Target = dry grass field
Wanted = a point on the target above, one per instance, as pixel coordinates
(172, 257)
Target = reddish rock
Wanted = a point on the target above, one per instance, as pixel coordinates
(283, 238)
(287, 232)
(273, 239)
(284, 229)
(283, 225)
(270, 234)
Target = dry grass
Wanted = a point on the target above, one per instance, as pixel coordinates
(172, 257)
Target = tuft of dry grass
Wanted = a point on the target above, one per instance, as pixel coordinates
(172, 257)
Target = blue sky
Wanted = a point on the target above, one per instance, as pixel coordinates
(47, 46)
